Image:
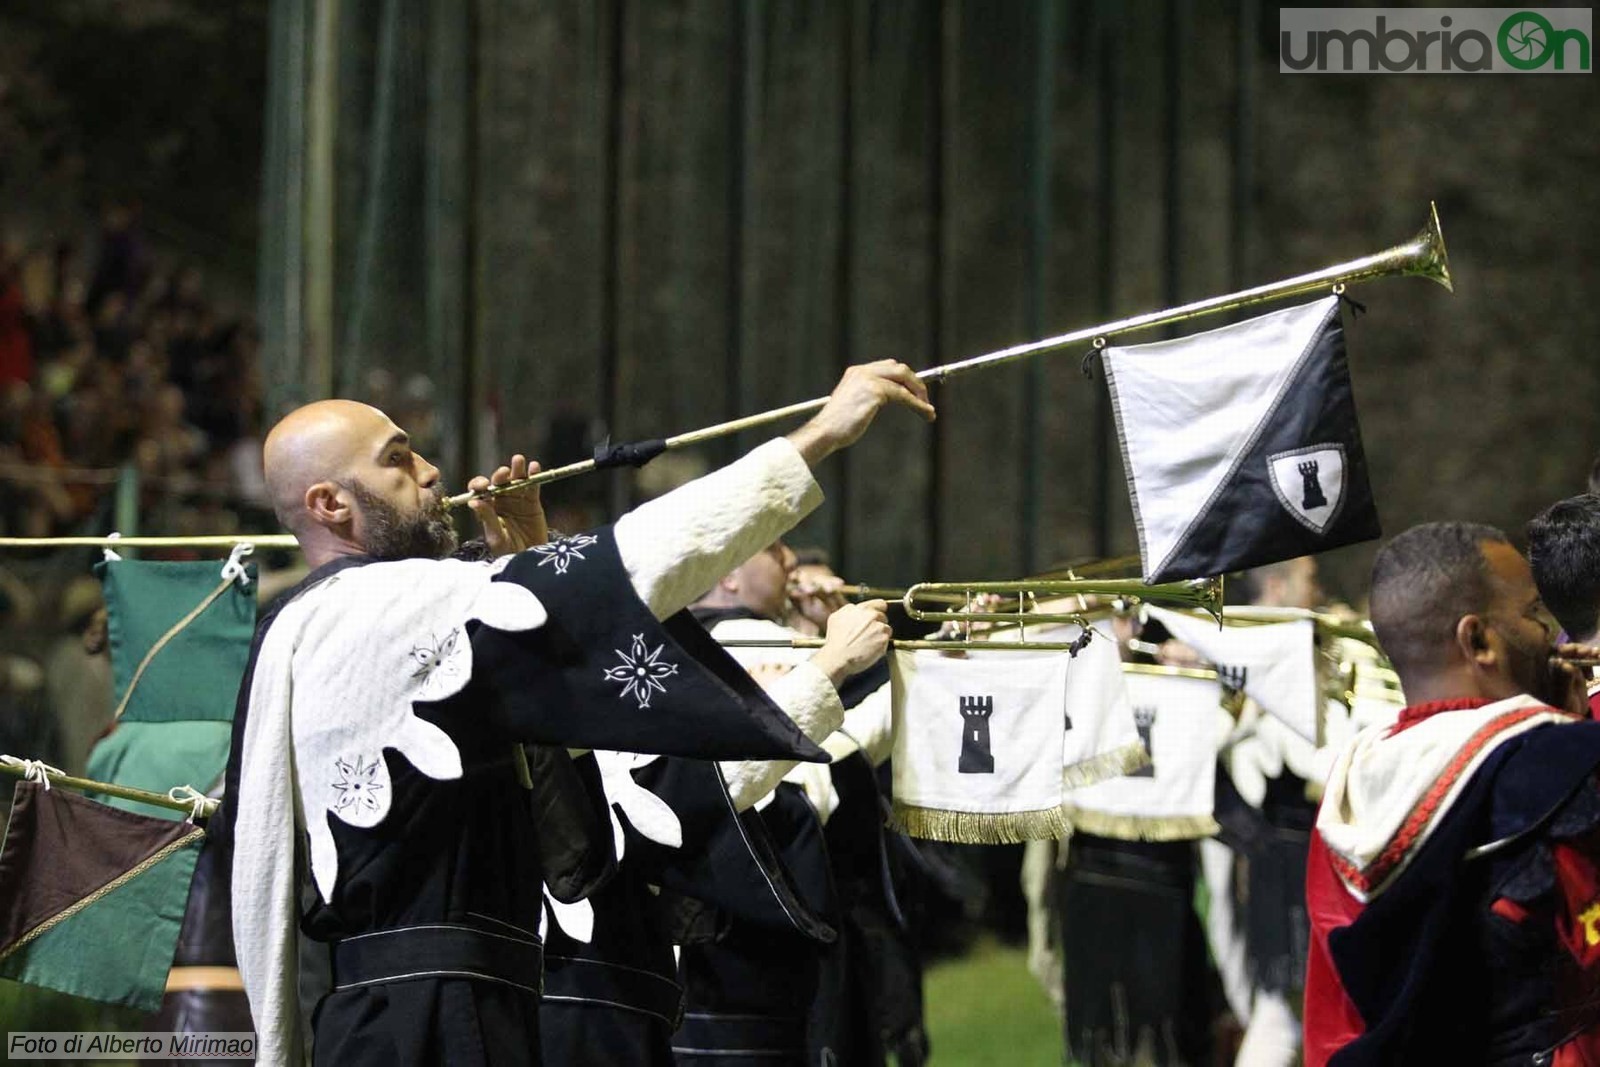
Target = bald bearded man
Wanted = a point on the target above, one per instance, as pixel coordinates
(382, 717)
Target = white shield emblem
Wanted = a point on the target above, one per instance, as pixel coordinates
(1310, 483)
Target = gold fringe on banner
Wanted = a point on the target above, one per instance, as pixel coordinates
(1140, 827)
(981, 827)
(1113, 764)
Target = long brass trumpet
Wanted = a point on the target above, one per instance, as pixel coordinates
(1589, 658)
(1327, 624)
(931, 644)
(1072, 572)
(1423, 256)
(1204, 594)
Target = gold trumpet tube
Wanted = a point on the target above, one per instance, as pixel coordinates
(1088, 569)
(1202, 593)
(1326, 624)
(1423, 256)
(930, 644)
(873, 592)
(895, 595)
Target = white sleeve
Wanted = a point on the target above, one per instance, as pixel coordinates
(807, 696)
(868, 726)
(676, 546)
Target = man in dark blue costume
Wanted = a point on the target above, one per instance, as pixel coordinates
(688, 845)
(379, 738)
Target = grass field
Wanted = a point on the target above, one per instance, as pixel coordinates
(986, 1009)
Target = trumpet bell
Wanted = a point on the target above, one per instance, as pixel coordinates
(1428, 256)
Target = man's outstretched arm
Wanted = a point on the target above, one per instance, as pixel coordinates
(676, 546)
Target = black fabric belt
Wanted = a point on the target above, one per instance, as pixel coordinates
(570, 979)
(707, 1034)
(436, 950)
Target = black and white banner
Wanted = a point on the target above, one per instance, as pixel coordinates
(1241, 444)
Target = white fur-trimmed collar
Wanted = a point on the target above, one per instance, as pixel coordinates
(1388, 790)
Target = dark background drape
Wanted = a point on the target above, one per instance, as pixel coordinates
(531, 224)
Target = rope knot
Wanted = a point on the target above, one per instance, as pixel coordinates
(233, 570)
(34, 770)
(200, 805)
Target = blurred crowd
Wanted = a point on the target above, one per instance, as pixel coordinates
(110, 360)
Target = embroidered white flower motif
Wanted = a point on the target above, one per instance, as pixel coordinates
(416, 619)
(564, 551)
(641, 671)
(357, 785)
(443, 665)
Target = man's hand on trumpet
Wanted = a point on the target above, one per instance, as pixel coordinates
(858, 636)
(864, 390)
(815, 593)
(1569, 681)
(514, 520)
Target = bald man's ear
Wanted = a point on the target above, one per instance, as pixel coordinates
(729, 583)
(329, 504)
(1472, 638)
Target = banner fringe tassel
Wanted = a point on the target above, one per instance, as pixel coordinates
(1140, 827)
(981, 827)
(1113, 764)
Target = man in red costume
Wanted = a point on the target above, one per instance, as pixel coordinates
(1453, 883)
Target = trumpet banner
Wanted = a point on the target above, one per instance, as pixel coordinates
(1102, 741)
(1274, 663)
(1178, 719)
(1241, 445)
(979, 745)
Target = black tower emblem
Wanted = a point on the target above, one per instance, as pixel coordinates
(1313, 497)
(1144, 718)
(976, 756)
(1232, 680)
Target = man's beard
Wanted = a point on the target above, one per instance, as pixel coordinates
(391, 535)
(1532, 671)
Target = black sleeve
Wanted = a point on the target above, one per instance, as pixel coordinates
(604, 673)
(571, 821)
(728, 859)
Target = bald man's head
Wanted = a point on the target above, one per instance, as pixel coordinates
(344, 480)
(316, 443)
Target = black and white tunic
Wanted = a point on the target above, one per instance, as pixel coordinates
(377, 730)
(611, 988)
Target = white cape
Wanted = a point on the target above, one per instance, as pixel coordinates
(409, 644)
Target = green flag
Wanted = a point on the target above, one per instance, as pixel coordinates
(180, 638)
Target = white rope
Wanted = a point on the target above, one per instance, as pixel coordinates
(198, 802)
(34, 770)
(233, 569)
(110, 553)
